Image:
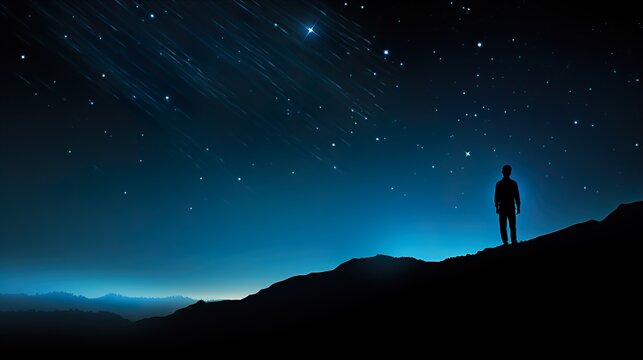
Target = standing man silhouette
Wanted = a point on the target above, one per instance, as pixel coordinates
(507, 200)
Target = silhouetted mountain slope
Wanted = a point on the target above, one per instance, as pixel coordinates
(574, 290)
(579, 280)
(132, 308)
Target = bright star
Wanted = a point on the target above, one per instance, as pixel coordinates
(467, 153)
(385, 52)
(479, 44)
(310, 30)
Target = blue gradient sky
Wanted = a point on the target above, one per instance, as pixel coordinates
(209, 149)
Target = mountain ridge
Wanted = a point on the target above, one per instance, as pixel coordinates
(560, 275)
(132, 308)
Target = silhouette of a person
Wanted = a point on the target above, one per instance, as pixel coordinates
(507, 201)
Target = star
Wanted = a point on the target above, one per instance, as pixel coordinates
(479, 44)
(467, 153)
(22, 57)
(310, 30)
(386, 52)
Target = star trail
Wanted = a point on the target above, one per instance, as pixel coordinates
(211, 148)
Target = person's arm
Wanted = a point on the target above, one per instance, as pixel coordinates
(517, 197)
(496, 201)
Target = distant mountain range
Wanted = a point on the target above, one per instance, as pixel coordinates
(132, 308)
(572, 292)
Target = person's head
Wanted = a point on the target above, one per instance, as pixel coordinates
(506, 170)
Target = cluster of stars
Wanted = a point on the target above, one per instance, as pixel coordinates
(295, 108)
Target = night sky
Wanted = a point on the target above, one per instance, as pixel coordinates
(209, 149)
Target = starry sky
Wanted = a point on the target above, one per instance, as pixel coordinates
(209, 149)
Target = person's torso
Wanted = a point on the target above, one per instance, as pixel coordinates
(506, 192)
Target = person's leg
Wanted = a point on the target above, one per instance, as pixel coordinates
(503, 227)
(512, 226)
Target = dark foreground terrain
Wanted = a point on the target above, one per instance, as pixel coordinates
(574, 290)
